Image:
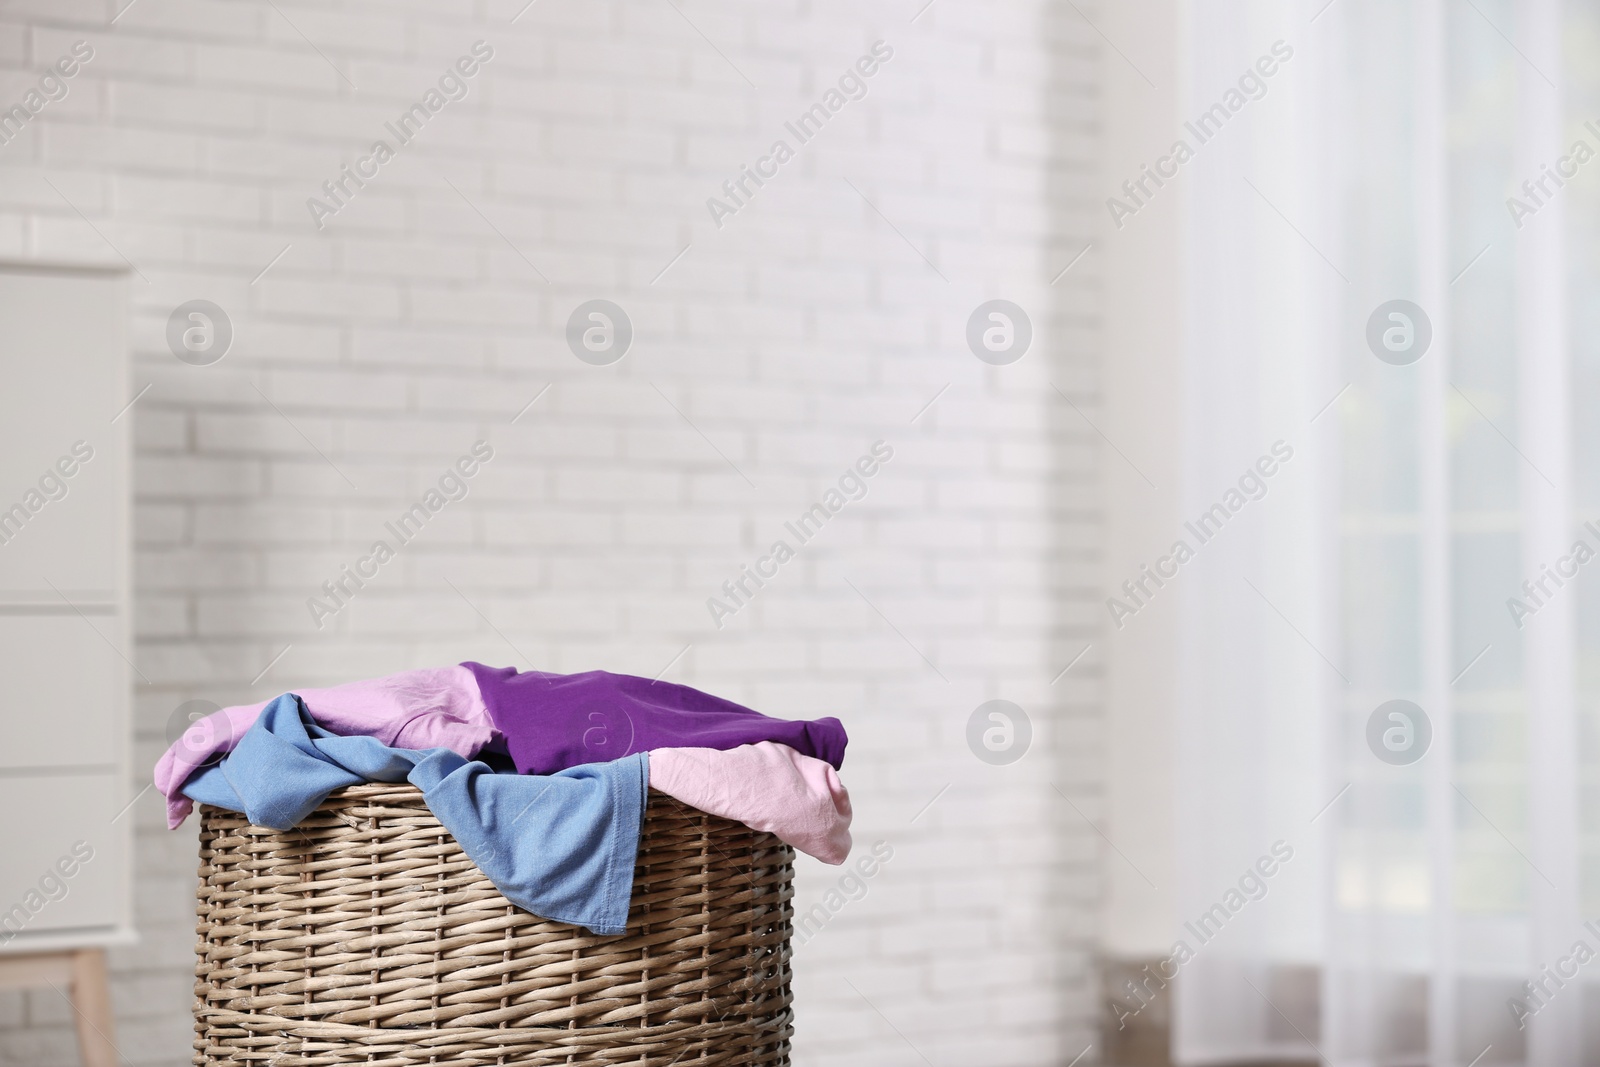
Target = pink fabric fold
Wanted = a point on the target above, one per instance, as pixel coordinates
(766, 786)
(438, 707)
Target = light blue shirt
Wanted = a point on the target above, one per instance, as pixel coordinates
(560, 845)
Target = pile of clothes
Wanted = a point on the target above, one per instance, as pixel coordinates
(541, 778)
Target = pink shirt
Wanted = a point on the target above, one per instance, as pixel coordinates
(438, 707)
(766, 786)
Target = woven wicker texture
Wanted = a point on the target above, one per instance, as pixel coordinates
(365, 935)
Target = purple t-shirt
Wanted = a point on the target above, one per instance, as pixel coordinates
(554, 721)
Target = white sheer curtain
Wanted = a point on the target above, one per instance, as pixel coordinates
(1380, 562)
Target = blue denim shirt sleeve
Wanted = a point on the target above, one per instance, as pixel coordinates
(562, 845)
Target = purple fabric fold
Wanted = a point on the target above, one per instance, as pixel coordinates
(553, 721)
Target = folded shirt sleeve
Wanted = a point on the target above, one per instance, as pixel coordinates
(766, 786)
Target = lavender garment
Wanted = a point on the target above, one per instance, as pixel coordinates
(553, 721)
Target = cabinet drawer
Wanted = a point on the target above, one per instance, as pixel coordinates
(66, 866)
(67, 689)
(62, 511)
(71, 550)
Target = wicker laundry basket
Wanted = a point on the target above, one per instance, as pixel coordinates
(366, 936)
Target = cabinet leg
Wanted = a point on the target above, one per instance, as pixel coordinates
(91, 995)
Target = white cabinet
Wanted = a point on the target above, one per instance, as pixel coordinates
(64, 609)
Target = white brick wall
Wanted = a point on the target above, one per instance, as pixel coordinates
(792, 338)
